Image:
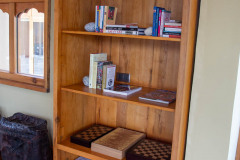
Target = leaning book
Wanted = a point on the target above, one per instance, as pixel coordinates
(122, 89)
(161, 96)
(116, 143)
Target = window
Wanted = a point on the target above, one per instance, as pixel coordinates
(24, 44)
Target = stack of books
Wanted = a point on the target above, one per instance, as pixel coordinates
(160, 16)
(122, 89)
(130, 29)
(104, 15)
(172, 29)
(101, 71)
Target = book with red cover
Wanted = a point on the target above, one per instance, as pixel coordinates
(161, 96)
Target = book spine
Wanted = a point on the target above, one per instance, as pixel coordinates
(171, 36)
(171, 26)
(122, 26)
(121, 29)
(94, 75)
(156, 22)
(105, 19)
(122, 32)
(96, 18)
(154, 19)
(159, 22)
(102, 18)
(91, 70)
(99, 18)
(172, 29)
(104, 77)
(162, 22)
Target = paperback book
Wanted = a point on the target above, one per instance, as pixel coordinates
(122, 89)
(109, 72)
(161, 96)
(94, 57)
(116, 143)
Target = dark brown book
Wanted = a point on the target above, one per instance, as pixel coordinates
(116, 143)
(86, 137)
(160, 96)
(149, 150)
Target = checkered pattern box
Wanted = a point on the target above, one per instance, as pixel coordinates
(149, 150)
(86, 137)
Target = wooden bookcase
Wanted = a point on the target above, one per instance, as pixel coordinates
(153, 62)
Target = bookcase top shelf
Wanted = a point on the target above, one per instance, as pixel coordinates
(121, 35)
(67, 146)
(133, 99)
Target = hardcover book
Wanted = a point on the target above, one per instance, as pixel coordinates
(148, 149)
(161, 96)
(110, 14)
(165, 17)
(116, 143)
(99, 67)
(93, 58)
(122, 89)
(109, 72)
(86, 137)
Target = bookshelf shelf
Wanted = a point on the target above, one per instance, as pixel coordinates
(85, 152)
(122, 36)
(133, 99)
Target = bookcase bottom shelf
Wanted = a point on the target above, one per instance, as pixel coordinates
(78, 150)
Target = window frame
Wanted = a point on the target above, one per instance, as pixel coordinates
(12, 77)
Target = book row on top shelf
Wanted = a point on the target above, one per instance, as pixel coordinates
(138, 14)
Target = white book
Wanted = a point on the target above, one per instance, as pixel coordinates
(93, 58)
(122, 89)
(173, 29)
(165, 17)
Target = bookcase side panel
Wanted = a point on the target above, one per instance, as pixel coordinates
(77, 112)
(155, 123)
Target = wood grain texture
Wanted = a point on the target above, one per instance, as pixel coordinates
(187, 52)
(4, 7)
(150, 63)
(24, 7)
(77, 112)
(133, 99)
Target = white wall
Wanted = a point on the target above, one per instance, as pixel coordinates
(13, 99)
(214, 83)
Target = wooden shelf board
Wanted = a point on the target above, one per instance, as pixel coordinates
(133, 99)
(122, 35)
(75, 149)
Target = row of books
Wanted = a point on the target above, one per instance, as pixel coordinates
(172, 29)
(160, 16)
(101, 71)
(120, 143)
(104, 15)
